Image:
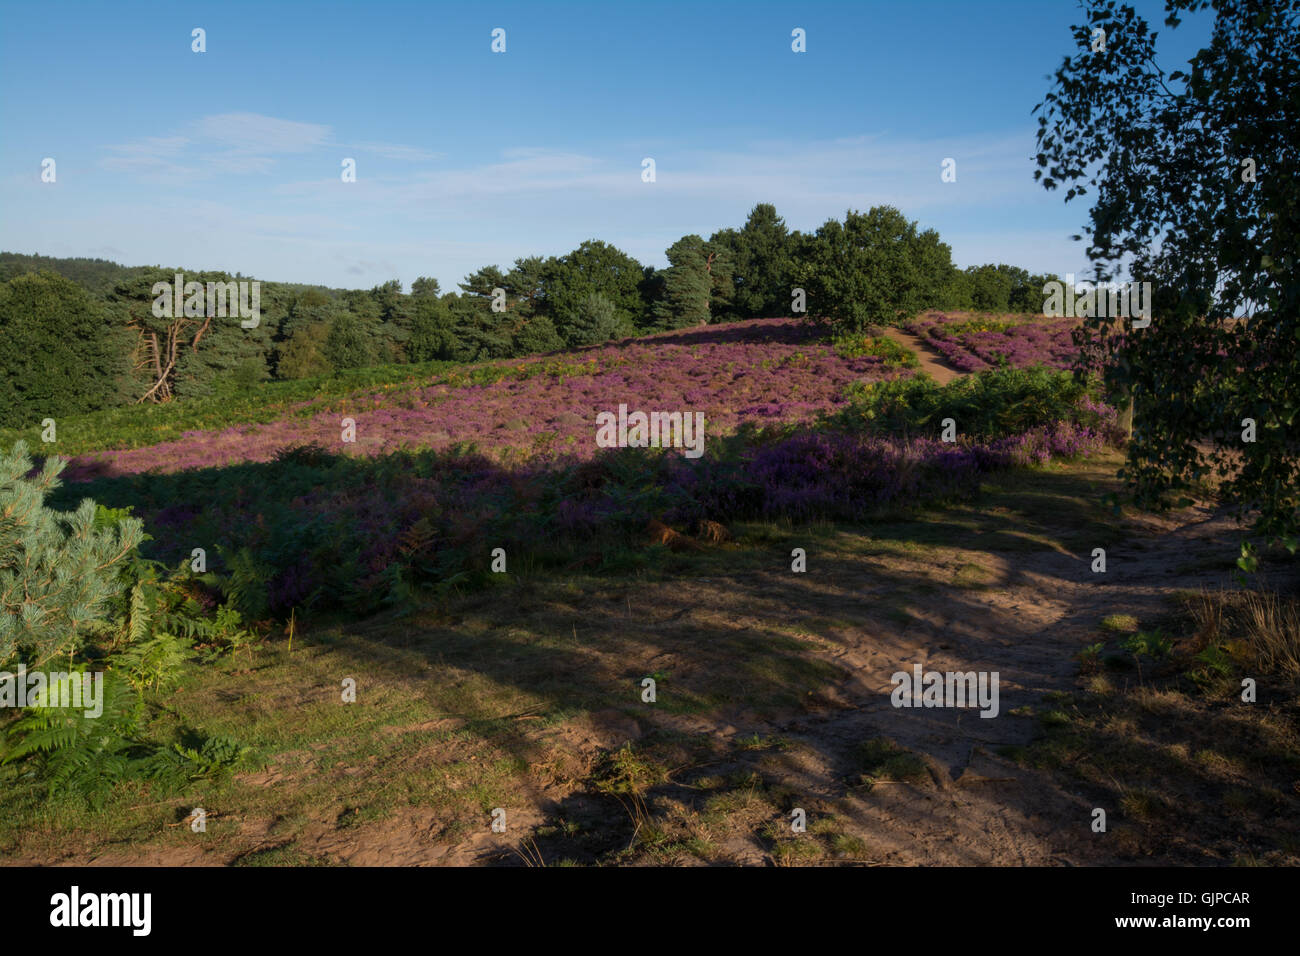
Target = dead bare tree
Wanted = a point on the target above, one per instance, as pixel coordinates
(161, 357)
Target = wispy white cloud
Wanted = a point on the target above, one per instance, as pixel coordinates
(154, 146)
(222, 144)
(828, 175)
(155, 157)
(261, 135)
(396, 151)
(412, 212)
(241, 143)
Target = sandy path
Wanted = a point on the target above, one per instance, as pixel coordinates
(932, 361)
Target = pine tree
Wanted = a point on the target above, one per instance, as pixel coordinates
(593, 321)
(478, 333)
(57, 570)
(391, 334)
(761, 255)
(183, 356)
(686, 286)
(525, 284)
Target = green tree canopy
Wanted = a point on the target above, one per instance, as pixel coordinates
(874, 268)
(686, 285)
(593, 321)
(61, 351)
(432, 332)
(594, 268)
(526, 284)
(482, 282)
(537, 334)
(347, 345)
(424, 287)
(303, 354)
(1193, 179)
(762, 260)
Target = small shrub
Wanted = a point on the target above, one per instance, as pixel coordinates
(992, 404)
(1090, 657)
(1119, 623)
(890, 353)
(1152, 644)
(984, 324)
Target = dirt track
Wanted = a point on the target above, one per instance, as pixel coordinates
(932, 361)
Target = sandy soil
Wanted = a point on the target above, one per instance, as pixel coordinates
(932, 361)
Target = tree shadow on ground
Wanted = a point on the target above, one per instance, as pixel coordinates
(745, 650)
(769, 682)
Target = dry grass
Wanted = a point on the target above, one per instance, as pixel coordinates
(1261, 626)
(1195, 770)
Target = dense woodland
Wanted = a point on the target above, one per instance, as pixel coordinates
(78, 335)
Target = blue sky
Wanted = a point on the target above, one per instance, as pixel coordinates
(231, 159)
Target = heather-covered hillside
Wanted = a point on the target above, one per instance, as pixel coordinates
(761, 372)
(764, 370)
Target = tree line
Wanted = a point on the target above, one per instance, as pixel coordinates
(78, 335)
